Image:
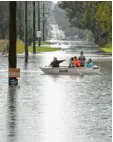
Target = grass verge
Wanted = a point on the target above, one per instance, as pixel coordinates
(107, 48)
(2, 45)
(43, 43)
(20, 47)
(43, 49)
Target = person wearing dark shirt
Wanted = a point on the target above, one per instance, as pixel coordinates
(82, 59)
(55, 62)
(71, 62)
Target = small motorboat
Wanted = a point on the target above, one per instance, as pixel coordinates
(63, 70)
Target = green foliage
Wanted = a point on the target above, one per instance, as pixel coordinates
(93, 15)
(104, 17)
(20, 19)
(90, 36)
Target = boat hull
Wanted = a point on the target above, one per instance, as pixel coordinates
(70, 70)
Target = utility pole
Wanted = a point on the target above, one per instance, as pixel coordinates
(39, 39)
(43, 21)
(20, 21)
(12, 34)
(34, 31)
(26, 43)
(12, 40)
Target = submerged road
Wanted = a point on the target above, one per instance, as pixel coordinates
(48, 108)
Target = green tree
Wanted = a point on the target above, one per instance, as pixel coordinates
(93, 15)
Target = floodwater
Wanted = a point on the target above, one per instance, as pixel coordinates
(56, 108)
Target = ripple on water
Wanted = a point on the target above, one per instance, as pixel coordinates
(48, 108)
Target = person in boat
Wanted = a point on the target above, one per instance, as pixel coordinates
(71, 62)
(90, 63)
(55, 62)
(82, 59)
(76, 62)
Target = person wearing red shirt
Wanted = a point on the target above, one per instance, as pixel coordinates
(76, 62)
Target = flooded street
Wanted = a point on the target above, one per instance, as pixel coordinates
(56, 108)
(50, 108)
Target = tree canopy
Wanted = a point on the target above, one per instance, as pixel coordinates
(20, 19)
(93, 15)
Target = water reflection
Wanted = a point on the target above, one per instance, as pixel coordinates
(12, 114)
(56, 108)
(25, 65)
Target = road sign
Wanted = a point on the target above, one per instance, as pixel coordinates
(14, 72)
(39, 33)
